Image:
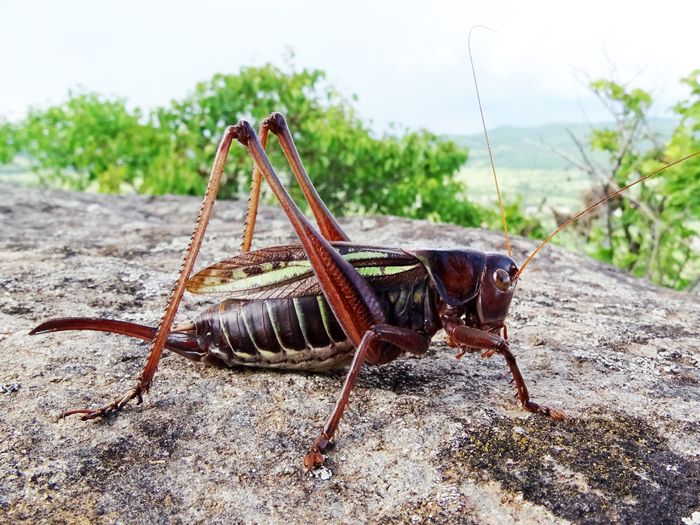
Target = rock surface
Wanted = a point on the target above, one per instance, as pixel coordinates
(427, 440)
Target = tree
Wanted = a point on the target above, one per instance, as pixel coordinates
(682, 184)
(91, 140)
(411, 175)
(652, 229)
(86, 140)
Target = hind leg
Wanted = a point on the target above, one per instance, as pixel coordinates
(329, 227)
(353, 301)
(146, 378)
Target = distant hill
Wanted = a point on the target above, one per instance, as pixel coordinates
(530, 171)
(522, 149)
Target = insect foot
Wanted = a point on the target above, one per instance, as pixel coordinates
(315, 457)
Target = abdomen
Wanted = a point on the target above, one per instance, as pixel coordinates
(302, 333)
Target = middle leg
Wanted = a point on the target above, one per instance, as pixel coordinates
(354, 303)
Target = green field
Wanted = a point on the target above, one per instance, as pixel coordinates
(18, 171)
(539, 188)
(526, 167)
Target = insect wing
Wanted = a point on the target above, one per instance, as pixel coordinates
(285, 272)
(383, 268)
(266, 272)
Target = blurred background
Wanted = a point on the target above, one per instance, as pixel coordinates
(579, 99)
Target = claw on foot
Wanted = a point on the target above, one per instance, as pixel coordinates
(114, 406)
(315, 456)
(554, 414)
(313, 459)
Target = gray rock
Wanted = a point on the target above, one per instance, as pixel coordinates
(427, 440)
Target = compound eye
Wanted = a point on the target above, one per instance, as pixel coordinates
(502, 279)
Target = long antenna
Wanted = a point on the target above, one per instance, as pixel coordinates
(599, 202)
(483, 122)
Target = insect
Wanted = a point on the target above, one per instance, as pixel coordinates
(325, 303)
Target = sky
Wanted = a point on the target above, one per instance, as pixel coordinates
(406, 61)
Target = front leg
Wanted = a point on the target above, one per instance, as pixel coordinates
(491, 343)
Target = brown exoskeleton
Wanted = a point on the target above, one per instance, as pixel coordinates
(325, 303)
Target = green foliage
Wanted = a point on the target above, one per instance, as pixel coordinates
(651, 228)
(83, 141)
(94, 141)
(7, 143)
(519, 222)
(631, 105)
(353, 172)
(605, 140)
(683, 182)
